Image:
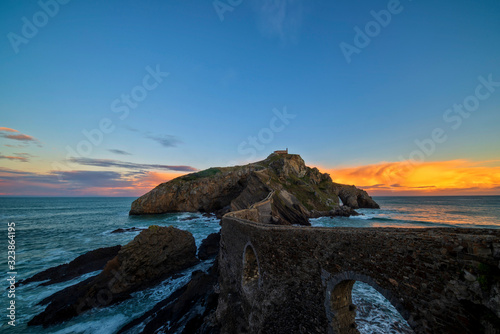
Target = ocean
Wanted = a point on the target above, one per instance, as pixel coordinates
(51, 231)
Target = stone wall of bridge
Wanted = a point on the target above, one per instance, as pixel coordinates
(287, 279)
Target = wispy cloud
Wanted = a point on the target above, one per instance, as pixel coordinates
(165, 140)
(16, 135)
(7, 174)
(22, 157)
(80, 183)
(74, 178)
(14, 158)
(19, 137)
(128, 127)
(130, 165)
(4, 129)
(58, 183)
(116, 151)
(100, 179)
(280, 18)
(26, 155)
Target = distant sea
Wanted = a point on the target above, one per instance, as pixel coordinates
(425, 211)
(52, 231)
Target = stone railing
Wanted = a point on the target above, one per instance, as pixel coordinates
(283, 279)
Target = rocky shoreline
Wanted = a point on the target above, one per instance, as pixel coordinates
(84, 264)
(154, 255)
(280, 190)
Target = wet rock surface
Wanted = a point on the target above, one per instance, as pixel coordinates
(209, 246)
(130, 229)
(83, 264)
(354, 197)
(154, 255)
(341, 211)
(190, 309)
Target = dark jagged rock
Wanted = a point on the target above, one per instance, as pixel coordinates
(341, 211)
(282, 189)
(190, 309)
(209, 246)
(188, 218)
(83, 264)
(354, 197)
(288, 210)
(66, 294)
(130, 229)
(154, 255)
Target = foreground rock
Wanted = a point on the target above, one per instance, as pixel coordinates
(354, 197)
(86, 263)
(130, 229)
(154, 255)
(341, 211)
(209, 246)
(281, 188)
(190, 309)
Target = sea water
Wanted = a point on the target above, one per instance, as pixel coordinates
(53, 231)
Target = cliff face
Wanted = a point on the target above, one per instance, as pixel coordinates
(281, 187)
(206, 191)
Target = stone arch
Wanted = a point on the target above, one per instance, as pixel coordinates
(340, 311)
(251, 268)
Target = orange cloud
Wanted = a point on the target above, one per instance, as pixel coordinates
(9, 157)
(18, 136)
(454, 177)
(7, 129)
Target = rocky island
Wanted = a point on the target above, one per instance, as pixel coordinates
(279, 190)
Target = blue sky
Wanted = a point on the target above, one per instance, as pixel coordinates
(225, 78)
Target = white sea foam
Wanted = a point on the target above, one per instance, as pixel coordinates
(104, 325)
(375, 314)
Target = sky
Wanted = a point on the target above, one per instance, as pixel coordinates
(111, 98)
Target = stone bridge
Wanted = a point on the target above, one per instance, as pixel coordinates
(288, 279)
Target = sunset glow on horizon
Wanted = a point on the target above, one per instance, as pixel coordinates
(80, 183)
(113, 98)
(441, 178)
